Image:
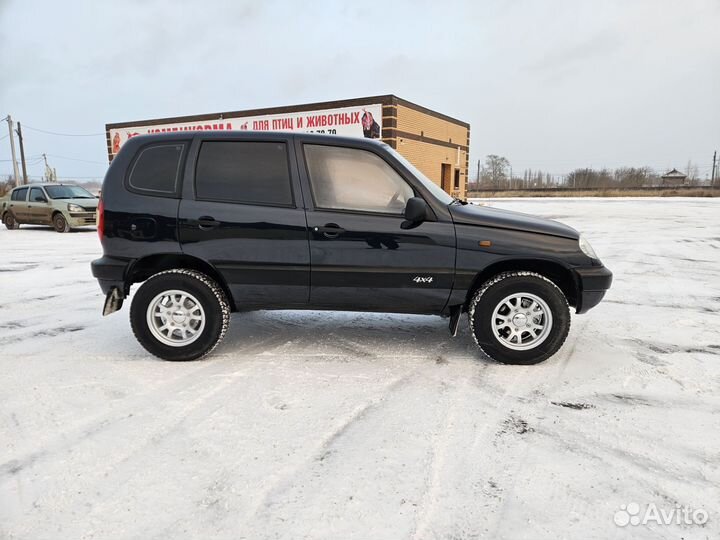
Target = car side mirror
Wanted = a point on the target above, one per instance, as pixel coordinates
(40, 198)
(416, 211)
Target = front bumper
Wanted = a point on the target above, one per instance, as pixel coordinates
(82, 219)
(593, 282)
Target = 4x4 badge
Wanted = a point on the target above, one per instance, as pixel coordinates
(421, 279)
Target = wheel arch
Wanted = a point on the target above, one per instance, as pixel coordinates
(145, 267)
(559, 274)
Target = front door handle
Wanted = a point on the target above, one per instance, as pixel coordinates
(205, 223)
(330, 230)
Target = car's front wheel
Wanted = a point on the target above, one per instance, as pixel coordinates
(60, 223)
(179, 314)
(519, 318)
(10, 222)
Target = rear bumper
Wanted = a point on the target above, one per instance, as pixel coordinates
(593, 282)
(110, 273)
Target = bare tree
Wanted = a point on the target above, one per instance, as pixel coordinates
(693, 173)
(495, 171)
(6, 185)
(633, 176)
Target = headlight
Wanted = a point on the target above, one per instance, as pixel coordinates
(75, 208)
(587, 249)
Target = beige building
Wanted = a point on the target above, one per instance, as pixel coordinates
(436, 144)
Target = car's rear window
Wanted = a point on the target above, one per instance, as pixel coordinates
(244, 172)
(157, 169)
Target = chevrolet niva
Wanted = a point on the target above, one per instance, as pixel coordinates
(217, 222)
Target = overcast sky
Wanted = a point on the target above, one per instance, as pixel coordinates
(551, 85)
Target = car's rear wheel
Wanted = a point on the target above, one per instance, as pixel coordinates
(179, 315)
(519, 318)
(9, 221)
(60, 223)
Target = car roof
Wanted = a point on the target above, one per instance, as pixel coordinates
(44, 184)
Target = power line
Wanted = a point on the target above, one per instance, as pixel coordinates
(77, 159)
(65, 134)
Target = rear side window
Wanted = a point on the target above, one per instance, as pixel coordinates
(244, 172)
(19, 194)
(157, 169)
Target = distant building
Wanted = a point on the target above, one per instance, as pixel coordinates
(674, 178)
(435, 143)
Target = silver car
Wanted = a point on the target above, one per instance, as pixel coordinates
(63, 206)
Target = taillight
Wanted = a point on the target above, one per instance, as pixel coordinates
(101, 218)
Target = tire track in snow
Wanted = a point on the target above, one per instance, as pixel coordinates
(119, 470)
(113, 471)
(463, 455)
(536, 409)
(245, 510)
(96, 424)
(473, 456)
(376, 462)
(440, 450)
(320, 451)
(646, 465)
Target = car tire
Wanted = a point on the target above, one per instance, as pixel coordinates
(60, 224)
(10, 223)
(179, 315)
(519, 318)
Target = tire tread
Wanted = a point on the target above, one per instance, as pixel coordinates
(494, 281)
(216, 291)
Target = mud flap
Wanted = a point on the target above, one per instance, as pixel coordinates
(455, 313)
(113, 301)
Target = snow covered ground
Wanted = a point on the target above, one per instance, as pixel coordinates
(368, 426)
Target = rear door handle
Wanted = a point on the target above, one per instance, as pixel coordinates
(330, 230)
(206, 223)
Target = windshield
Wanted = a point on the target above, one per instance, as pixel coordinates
(68, 192)
(436, 190)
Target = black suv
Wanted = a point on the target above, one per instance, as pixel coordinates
(216, 222)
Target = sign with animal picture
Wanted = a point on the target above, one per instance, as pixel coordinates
(358, 121)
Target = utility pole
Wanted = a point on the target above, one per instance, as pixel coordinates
(478, 176)
(50, 172)
(712, 178)
(22, 153)
(12, 150)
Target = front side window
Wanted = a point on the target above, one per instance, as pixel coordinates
(246, 172)
(37, 195)
(157, 169)
(19, 194)
(356, 180)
